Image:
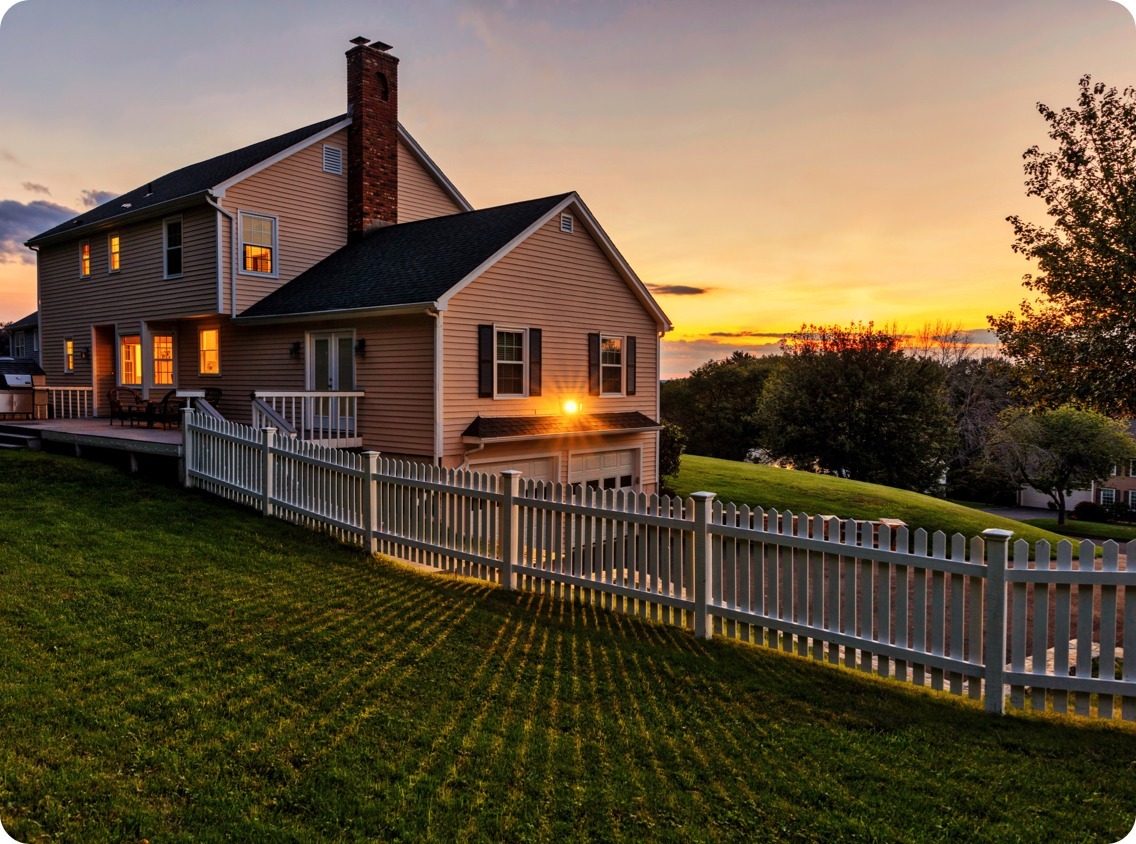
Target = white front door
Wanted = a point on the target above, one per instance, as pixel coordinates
(331, 368)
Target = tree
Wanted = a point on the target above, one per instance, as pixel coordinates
(1078, 339)
(715, 404)
(1058, 451)
(850, 402)
(672, 443)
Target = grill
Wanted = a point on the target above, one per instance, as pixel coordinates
(18, 382)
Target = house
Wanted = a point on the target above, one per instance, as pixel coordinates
(333, 282)
(23, 337)
(1119, 489)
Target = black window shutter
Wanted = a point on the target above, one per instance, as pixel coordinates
(630, 366)
(593, 364)
(534, 361)
(485, 361)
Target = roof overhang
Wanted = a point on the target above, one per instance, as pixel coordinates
(159, 210)
(346, 313)
(219, 189)
(428, 163)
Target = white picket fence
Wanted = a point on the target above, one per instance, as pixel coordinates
(945, 612)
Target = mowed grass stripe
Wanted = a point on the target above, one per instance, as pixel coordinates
(178, 669)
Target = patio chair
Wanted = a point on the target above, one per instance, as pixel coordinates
(126, 405)
(168, 410)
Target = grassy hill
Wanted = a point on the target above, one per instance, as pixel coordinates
(785, 489)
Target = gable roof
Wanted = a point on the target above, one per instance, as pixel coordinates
(30, 321)
(407, 264)
(427, 262)
(189, 181)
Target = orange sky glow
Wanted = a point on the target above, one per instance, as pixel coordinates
(760, 165)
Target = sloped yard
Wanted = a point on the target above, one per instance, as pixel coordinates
(176, 669)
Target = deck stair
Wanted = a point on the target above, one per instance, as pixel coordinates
(12, 437)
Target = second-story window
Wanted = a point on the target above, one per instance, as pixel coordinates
(510, 362)
(258, 244)
(173, 262)
(114, 257)
(611, 365)
(84, 259)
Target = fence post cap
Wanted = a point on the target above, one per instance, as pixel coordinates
(268, 428)
(511, 472)
(703, 496)
(997, 535)
(369, 453)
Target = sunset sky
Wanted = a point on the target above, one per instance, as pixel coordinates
(759, 164)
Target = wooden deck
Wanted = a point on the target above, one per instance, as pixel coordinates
(99, 433)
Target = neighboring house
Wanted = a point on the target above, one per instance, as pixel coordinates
(23, 337)
(1118, 489)
(339, 276)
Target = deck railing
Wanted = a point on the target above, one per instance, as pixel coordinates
(71, 402)
(324, 417)
(958, 615)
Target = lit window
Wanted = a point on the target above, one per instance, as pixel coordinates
(173, 248)
(611, 365)
(258, 244)
(113, 250)
(164, 360)
(84, 259)
(510, 362)
(130, 360)
(210, 351)
(68, 355)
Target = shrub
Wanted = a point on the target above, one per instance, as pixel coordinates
(1090, 511)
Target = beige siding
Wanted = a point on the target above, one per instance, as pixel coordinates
(564, 285)
(70, 305)
(310, 207)
(396, 373)
(419, 194)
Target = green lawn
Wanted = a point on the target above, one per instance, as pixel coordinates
(806, 492)
(177, 669)
(1092, 530)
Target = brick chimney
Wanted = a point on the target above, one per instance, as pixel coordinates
(372, 139)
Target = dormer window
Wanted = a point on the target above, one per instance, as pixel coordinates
(258, 245)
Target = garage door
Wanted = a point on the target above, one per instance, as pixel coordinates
(531, 469)
(616, 469)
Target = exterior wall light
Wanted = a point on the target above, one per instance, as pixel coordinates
(571, 406)
(294, 350)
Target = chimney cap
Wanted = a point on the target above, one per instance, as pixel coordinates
(379, 45)
(360, 40)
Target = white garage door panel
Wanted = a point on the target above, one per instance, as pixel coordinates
(533, 468)
(598, 465)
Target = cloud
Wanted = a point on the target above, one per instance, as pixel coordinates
(20, 221)
(7, 156)
(36, 188)
(681, 356)
(91, 198)
(679, 290)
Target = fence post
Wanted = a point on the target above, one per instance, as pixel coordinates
(370, 504)
(703, 571)
(510, 529)
(268, 440)
(994, 652)
(186, 447)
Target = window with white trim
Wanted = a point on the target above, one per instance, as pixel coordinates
(163, 350)
(1132, 468)
(1107, 495)
(509, 361)
(18, 344)
(1130, 498)
(209, 351)
(172, 248)
(258, 244)
(114, 252)
(68, 355)
(85, 259)
(130, 360)
(611, 365)
(333, 160)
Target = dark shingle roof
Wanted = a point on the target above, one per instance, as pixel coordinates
(190, 180)
(18, 366)
(30, 321)
(502, 427)
(404, 264)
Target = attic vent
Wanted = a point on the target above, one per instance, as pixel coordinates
(566, 223)
(333, 160)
